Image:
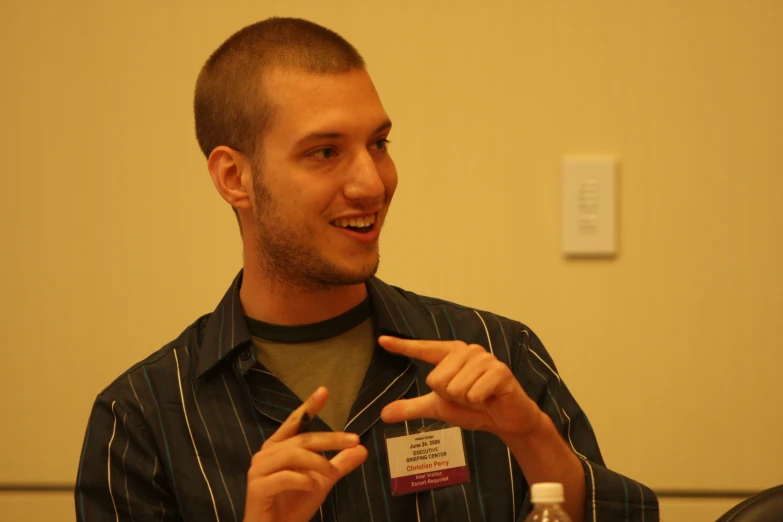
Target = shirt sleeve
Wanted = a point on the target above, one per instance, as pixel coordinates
(609, 495)
(120, 474)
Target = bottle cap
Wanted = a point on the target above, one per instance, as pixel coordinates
(547, 493)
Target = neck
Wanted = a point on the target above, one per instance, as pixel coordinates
(267, 300)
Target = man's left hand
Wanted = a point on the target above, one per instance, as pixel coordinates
(471, 389)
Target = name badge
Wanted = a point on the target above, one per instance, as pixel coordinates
(425, 460)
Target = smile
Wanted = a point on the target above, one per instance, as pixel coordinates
(356, 224)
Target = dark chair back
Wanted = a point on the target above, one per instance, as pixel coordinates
(766, 506)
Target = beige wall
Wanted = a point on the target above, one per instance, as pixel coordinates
(114, 239)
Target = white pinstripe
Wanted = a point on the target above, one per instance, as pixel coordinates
(418, 516)
(367, 494)
(592, 486)
(154, 473)
(508, 451)
(589, 466)
(505, 341)
(124, 473)
(236, 414)
(385, 304)
(136, 395)
(108, 461)
(437, 330)
(155, 485)
(641, 503)
(212, 445)
(233, 300)
(569, 436)
(418, 394)
(192, 440)
(467, 507)
(486, 330)
(548, 391)
(155, 468)
(545, 364)
(378, 396)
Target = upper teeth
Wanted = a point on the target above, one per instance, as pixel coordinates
(364, 221)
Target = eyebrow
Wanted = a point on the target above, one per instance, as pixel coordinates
(333, 135)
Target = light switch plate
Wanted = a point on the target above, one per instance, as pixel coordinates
(589, 206)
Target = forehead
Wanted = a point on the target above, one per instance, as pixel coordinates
(304, 102)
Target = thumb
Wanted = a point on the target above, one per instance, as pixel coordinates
(407, 409)
(348, 460)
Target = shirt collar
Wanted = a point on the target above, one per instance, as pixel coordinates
(226, 329)
(393, 311)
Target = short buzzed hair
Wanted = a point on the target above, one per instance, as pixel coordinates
(230, 105)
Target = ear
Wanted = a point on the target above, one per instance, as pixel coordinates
(232, 176)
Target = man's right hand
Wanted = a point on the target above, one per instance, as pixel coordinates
(289, 479)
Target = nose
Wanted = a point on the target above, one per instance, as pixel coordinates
(365, 186)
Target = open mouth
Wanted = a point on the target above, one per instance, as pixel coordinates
(361, 224)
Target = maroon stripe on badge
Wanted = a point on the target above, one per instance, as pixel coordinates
(429, 480)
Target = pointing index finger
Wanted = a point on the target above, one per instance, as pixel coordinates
(429, 351)
(301, 415)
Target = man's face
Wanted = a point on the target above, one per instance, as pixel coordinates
(324, 180)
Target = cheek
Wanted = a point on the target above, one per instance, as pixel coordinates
(299, 196)
(316, 198)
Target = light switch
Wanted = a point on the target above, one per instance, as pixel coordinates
(589, 206)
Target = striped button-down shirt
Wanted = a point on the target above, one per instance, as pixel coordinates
(172, 438)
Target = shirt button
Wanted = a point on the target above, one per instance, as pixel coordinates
(244, 354)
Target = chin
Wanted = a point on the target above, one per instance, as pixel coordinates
(363, 275)
(360, 273)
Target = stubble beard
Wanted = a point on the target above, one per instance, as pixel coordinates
(287, 257)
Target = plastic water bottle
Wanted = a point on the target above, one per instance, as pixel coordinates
(547, 500)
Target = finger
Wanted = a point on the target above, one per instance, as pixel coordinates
(281, 481)
(454, 363)
(477, 366)
(317, 441)
(491, 384)
(348, 460)
(312, 405)
(293, 458)
(424, 406)
(429, 406)
(429, 351)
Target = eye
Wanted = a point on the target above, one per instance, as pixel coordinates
(323, 153)
(381, 144)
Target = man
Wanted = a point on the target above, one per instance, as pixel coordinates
(282, 404)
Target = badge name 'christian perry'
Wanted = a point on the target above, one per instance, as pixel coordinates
(427, 460)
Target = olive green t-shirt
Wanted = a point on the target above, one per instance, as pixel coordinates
(333, 353)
